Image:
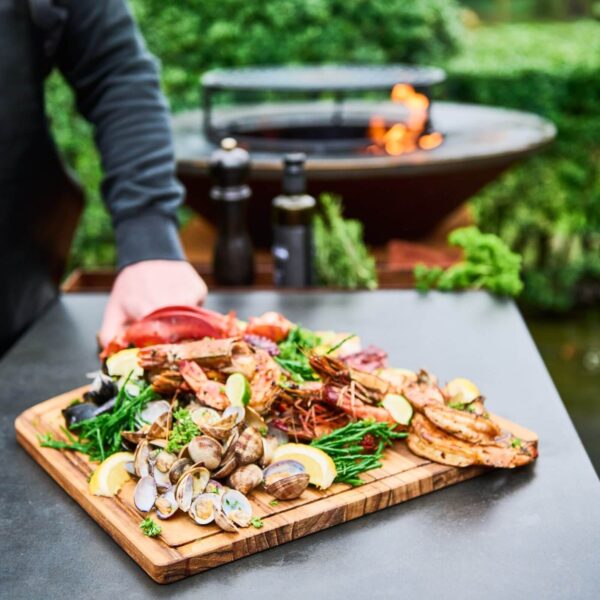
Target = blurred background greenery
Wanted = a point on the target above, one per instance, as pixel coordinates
(535, 55)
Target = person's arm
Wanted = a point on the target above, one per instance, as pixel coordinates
(102, 56)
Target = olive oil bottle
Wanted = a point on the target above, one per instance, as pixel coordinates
(293, 211)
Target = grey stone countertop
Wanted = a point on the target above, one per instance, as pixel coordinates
(529, 533)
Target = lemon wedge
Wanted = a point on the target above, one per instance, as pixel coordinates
(124, 362)
(317, 463)
(399, 407)
(110, 475)
(463, 386)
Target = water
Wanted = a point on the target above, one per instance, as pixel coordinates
(570, 347)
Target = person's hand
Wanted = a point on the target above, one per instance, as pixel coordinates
(145, 286)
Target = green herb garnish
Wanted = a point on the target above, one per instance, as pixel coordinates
(347, 448)
(516, 443)
(150, 528)
(488, 264)
(292, 354)
(274, 502)
(341, 258)
(256, 522)
(100, 436)
(184, 430)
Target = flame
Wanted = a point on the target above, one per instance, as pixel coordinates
(408, 136)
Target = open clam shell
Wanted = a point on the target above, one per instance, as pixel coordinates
(245, 478)
(184, 493)
(166, 505)
(238, 411)
(269, 444)
(285, 479)
(178, 468)
(249, 448)
(214, 487)
(204, 508)
(145, 494)
(204, 416)
(164, 461)
(206, 451)
(153, 410)
(237, 508)
(141, 459)
(226, 468)
(220, 430)
(197, 478)
(224, 522)
(160, 427)
(253, 419)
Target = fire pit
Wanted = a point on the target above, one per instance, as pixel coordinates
(401, 165)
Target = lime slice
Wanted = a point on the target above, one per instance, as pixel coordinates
(399, 407)
(238, 390)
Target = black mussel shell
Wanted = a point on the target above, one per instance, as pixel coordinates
(102, 390)
(79, 412)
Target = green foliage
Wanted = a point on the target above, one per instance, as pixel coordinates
(342, 259)
(487, 264)
(196, 35)
(548, 208)
(293, 354)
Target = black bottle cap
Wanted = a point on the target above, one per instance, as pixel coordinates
(294, 176)
(229, 167)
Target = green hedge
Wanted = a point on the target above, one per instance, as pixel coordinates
(549, 207)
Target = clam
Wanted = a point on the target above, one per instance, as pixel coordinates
(166, 505)
(206, 451)
(220, 430)
(198, 476)
(164, 461)
(229, 445)
(184, 492)
(204, 416)
(135, 437)
(141, 459)
(270, 444)
(159, 443)
(154, 410)
(204, 508)
(224, 522)
(285, 479)
(238, 411)
(249, 448)
(245, 478)
(160, 427)
(161, 478)
(178, 468)
(237, 508)
(253, 419)
(214, 487)
(226, 468)
(145, 494)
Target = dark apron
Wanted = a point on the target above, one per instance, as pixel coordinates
(39, 202)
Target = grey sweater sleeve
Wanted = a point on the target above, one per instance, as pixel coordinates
(102, 56)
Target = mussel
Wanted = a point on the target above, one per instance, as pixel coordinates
(249, 448)
(102, 390)
(285, 479)
(79, 411)
(245, 478)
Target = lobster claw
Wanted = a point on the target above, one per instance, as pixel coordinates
(172, 324)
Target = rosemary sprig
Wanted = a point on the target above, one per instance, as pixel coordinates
(346, 448)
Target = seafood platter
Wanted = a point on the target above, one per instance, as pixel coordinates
(204, 438)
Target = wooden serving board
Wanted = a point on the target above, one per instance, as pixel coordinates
(184, 548)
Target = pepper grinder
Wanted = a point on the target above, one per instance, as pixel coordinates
(233, 258)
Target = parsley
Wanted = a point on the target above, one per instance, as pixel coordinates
(488, 264)
(516, 443)
(150, 527)
(292, 354)
(274, 502)
(184, 430)
(256, 522)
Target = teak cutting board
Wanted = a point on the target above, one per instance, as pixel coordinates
(184, 548)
